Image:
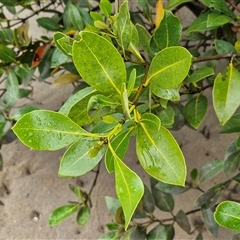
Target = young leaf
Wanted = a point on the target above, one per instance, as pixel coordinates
(159, 13)
(209, 170)
(63, 42)
(46, 130)
(227, 215)
(77, 160)
(129, 188)
(83, 215)
(106, 7)
(225, 95)
(169, 67)
(169, 32)
(183, 221)
(98, 66)
(59, 214)
(208, 219)
(120, 146)
(124, 28)
(159, 153)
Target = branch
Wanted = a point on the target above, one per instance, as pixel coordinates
(217, 57)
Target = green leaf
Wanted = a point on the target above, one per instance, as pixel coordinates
(146, 10)
(148, 201)
(83, 215)
(227, 214)
(75, 17)
(12, 85)
(106, 7)
(208, 219)
(59, 214)
(210, 170)
(169, 32)
(124, 28)
(223, 47)
(48, 23)
(20, 112)
(194, 174)
(129, 188)
(134, 233)
(63, 42)
(158, 232)
(231, 163)
(99, 101)
(232, 125)
(58, 58)
(112, 204)
(200, 74)
(200, 23)
(77, 160)
(168, 188)
(120, 146)
(216, 19)
(159, 153)
(168, 94)
(163, 201)
(7, 54)
(169, 67)
(110, 236)
(131, 81)
(174, 3)
(167, 116)
(225, 95)
(195, 110)
(46, 130)
(183, 221)
(144, 38)
(102, 68)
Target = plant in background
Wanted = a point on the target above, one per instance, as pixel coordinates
(134, 71)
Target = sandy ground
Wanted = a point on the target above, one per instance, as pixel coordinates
(30, 188)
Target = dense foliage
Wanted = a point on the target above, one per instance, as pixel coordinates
(132, 67)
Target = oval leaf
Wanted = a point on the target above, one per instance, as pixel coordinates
(159, 154)
(169, 67)
(102, 68)
(83, 215)
(46, 130)
(59, 214)
(227, 214)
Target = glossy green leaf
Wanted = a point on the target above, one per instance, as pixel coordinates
(168, 94)
(231, 163)
(102, 68)
(20, 112)
(77, 160)
(227, 214)
(169, 32)
(200, 74)
(174, 3)
(210, 170)
(183, 221)
(158, 232)
(194, 174)
(225, 95)
(129, 188)
(169, 67)
(195, 110)
(124, 29)
(159, 153)
(215, 19)
(59, 214)
(223, 47)
(12, 85)
(232, 125)
(200, 23)
(83, 215)
(131, 81)
(7, 54)
(209, 222)
(48, 23)
(75, 17)
(120, 145)
(112, 204)
(46, 130)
